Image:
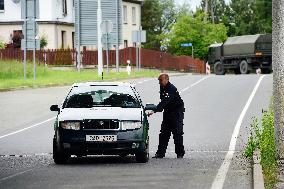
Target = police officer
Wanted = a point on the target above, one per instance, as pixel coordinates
(173, 115)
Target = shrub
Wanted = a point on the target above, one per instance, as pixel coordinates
(262, 138)
(2, 44)
(43, 41)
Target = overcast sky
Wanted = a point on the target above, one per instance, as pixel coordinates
(193, 3)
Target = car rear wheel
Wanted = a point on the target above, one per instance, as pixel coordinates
(59, 156)
(143, 156)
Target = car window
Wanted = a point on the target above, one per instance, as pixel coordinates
(101, 96)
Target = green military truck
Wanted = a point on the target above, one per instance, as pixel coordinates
(242, 54)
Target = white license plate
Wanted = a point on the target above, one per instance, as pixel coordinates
(101, 138)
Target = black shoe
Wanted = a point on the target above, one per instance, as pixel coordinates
(179, 156)
(158, 156)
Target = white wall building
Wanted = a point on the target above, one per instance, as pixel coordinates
(57, 18)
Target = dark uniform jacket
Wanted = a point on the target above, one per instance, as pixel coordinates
(170, 100)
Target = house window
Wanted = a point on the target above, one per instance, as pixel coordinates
(134, 15)
(1, 5)
(64, 7)
(125, 43)
(63, 39)
(125, 14)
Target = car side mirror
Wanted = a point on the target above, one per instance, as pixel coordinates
(54, 108)
(150, 107)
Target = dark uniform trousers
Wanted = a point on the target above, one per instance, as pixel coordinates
(172, 123)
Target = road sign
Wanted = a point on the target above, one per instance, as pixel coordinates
(30, 12)
(30, 9)
(106, 26)
(31, 44)
(139, 36)
(186, 44)
(108, 38)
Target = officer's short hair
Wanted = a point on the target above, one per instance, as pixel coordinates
(164, 75)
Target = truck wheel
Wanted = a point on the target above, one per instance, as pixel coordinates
(219, 68)
(244, 67)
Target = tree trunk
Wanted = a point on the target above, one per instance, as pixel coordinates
(278, 73)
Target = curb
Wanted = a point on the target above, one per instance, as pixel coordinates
(258, 182)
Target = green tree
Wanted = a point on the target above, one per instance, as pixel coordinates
(157, 17)
(216, 10)
(263, 15)
(194, 29)
(251, 16)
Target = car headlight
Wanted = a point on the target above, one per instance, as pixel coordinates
(130, 125)
(70, 125)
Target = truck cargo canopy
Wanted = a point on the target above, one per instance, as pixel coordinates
(240, 45)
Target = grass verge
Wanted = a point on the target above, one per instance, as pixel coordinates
(11, 75)
(262, 138)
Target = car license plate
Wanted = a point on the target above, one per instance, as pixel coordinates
(101, 138)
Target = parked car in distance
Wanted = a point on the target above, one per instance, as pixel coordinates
(101, 118)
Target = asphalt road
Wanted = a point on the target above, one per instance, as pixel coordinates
(216, 125)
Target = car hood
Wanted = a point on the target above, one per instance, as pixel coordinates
(100, 113)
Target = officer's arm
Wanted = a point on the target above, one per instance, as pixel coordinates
(169, 98)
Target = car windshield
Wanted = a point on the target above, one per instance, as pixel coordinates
(101, 96)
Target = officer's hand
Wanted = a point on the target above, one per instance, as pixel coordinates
(150, 113)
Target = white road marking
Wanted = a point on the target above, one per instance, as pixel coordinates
(223, 170)
(11, 176)
(35, 125)
(185, 89)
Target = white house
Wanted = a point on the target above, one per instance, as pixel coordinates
(56, 21)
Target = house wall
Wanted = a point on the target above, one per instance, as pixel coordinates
(52, 21)
(6, 31)
(128, 26)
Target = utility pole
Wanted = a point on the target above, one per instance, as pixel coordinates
(206, 10)
(100, 51)
(278, 79)
(212, 10)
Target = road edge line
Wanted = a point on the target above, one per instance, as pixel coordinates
(192, 85)
(35, 125)
(223, 170)
(14, 175)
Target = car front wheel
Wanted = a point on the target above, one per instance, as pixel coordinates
(143, 156)
(59, 156)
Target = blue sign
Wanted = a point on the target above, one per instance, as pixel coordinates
(186, 45)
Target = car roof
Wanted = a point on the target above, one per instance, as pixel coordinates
(86, 84)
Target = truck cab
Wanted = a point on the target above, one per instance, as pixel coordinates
(215, 53)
